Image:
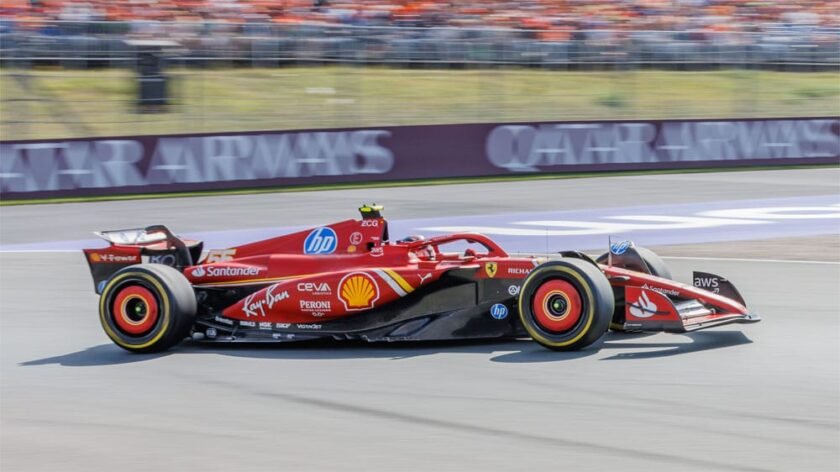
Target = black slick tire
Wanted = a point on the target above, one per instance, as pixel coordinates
(147, 308)
(566, 304)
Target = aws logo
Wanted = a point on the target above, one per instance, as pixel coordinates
(358, 291)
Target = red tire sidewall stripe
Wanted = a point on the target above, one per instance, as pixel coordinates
(120, 315)
(574, 310)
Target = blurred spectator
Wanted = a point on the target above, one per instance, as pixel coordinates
(596, 33)
(555, 19)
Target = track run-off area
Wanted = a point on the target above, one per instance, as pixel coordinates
(753, 397)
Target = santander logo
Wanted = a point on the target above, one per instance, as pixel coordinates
(213, 271)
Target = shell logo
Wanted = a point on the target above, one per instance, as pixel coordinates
(95, 257)
(358, 291)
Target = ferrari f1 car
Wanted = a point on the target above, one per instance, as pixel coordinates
(348, 280)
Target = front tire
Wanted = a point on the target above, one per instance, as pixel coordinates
(147, 308)
(566, 305)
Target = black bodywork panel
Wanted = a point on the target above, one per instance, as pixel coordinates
(457, 306)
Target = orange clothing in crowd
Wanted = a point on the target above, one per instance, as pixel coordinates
(555, 17)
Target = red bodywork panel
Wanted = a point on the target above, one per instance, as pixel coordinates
(113, 255)
(354, 272)
(351, 236)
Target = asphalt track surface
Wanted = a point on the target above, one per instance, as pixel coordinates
(754, 397)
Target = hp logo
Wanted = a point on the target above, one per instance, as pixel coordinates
(320, 241)
(498, 311)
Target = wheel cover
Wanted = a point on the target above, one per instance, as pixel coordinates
(557, 306)
(135, 310)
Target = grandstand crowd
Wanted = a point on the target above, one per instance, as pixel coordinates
(556, 18)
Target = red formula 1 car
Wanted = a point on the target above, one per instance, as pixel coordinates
(349, 281)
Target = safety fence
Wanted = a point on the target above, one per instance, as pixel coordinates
(82, 79)
(98, 44)
(177, 163)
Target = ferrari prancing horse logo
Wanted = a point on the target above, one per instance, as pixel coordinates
(490, 268)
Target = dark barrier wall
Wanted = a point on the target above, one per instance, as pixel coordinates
(139, 164)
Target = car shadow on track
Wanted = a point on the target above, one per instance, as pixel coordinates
(628, 346)
(702, 341)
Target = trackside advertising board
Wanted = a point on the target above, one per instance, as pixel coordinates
(175, 163)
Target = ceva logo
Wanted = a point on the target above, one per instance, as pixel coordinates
(320, 241)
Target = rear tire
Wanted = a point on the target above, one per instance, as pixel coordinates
(566, 304)
(656, 266)
(147, 308)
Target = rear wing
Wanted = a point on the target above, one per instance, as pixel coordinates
(156, 238)
(150, 245)
(137, 236)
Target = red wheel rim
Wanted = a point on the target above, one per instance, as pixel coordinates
(135, 310)
(557, 306)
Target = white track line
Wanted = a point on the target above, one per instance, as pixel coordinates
(38, 251)
(738, 259)
(686, 258)
(722, 259)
